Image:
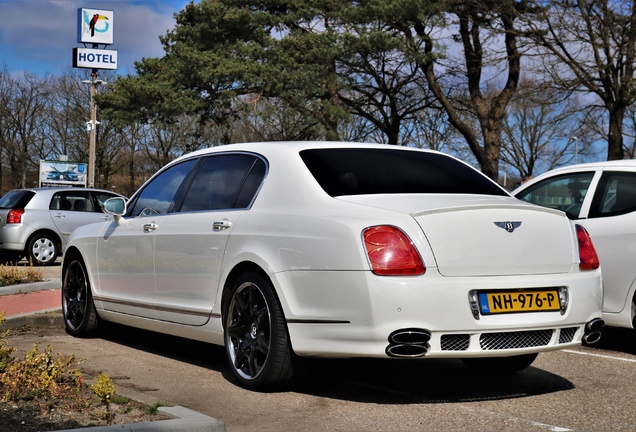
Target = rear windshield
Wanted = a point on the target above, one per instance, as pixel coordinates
(347, 171)
(16, 199)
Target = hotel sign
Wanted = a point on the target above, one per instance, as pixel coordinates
(94, 58)
(94, 28)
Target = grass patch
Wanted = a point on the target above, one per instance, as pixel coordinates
(154, 408)
(13, 275)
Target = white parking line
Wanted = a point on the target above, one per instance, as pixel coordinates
(516, 419)
(600, 355)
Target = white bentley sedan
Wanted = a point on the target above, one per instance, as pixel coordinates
(280, 251)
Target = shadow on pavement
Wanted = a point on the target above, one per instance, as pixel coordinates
(380, 381)
(617, 339)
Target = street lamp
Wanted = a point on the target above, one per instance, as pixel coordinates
(91, 126)
(576, 149)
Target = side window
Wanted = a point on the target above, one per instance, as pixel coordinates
(252, 184)
(100, 198)
(220, 183)
(565, 192)
(159, 195)
(18, 199)
(72, 201)
(60, 201)
(616, 194)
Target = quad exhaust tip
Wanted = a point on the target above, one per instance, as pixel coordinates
(592, 331)
(408, 343)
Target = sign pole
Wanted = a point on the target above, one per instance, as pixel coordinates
(93, 133)
(95, 27)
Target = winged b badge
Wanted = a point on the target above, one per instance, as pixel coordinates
(508, 226)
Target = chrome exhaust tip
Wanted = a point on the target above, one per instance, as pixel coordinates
(595, 325)
(591, 338)
(592, 333)
(410, 336)
(408, 343)
(406, 351)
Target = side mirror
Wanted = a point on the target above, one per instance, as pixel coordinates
(116, 207)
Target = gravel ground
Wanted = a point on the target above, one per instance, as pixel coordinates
(51, 272)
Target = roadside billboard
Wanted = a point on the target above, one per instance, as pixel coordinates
(62, 174)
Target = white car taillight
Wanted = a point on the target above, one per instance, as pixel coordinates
(15, 216)
(391, 252)
(587, 253)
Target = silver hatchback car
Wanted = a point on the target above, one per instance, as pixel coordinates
(35, 223)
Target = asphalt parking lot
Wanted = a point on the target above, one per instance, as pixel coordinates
(586, 389)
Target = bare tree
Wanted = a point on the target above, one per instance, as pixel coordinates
(22, 125)
(542, 132)
(5, 97)
(590, 46)
(67, 110)
(488, 36)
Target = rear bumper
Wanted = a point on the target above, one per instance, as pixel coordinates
(351, 314)
(12, 238)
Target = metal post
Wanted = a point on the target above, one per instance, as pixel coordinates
(93, 133)
(576, 149)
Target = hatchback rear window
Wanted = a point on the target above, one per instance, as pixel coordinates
(16, 199)
(351, 171)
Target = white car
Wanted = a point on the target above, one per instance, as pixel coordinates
(280, 251)
(601, 197)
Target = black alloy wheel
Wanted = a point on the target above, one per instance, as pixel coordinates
(256, 339)
(78, 309)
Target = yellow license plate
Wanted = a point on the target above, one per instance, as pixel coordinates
(495, 302)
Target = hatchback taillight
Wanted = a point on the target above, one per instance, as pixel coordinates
(391, 252)
(15, 216)
(587, 253)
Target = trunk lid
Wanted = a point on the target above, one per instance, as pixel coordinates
(487, 236)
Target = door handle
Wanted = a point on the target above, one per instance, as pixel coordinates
(60, 215)
(150, 227)
(221, 225)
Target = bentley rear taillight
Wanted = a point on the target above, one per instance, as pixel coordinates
(587, 253)
(15, 216)
(391, 252)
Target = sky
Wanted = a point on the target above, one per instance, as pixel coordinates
(38, 36)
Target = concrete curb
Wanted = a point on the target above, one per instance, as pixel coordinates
(42, 319)
(30, 287)
(184, 420)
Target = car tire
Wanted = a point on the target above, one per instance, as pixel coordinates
(501, 365)
(256, 340)
(42, 249)
(78, 308)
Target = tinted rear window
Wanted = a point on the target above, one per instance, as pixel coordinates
(346, 171)
(16, 199)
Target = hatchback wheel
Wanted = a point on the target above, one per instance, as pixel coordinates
(80, 317)
(42, 249)
(501, 365)
(256, 339)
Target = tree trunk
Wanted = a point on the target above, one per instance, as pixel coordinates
(492, 151)
(615, 137)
